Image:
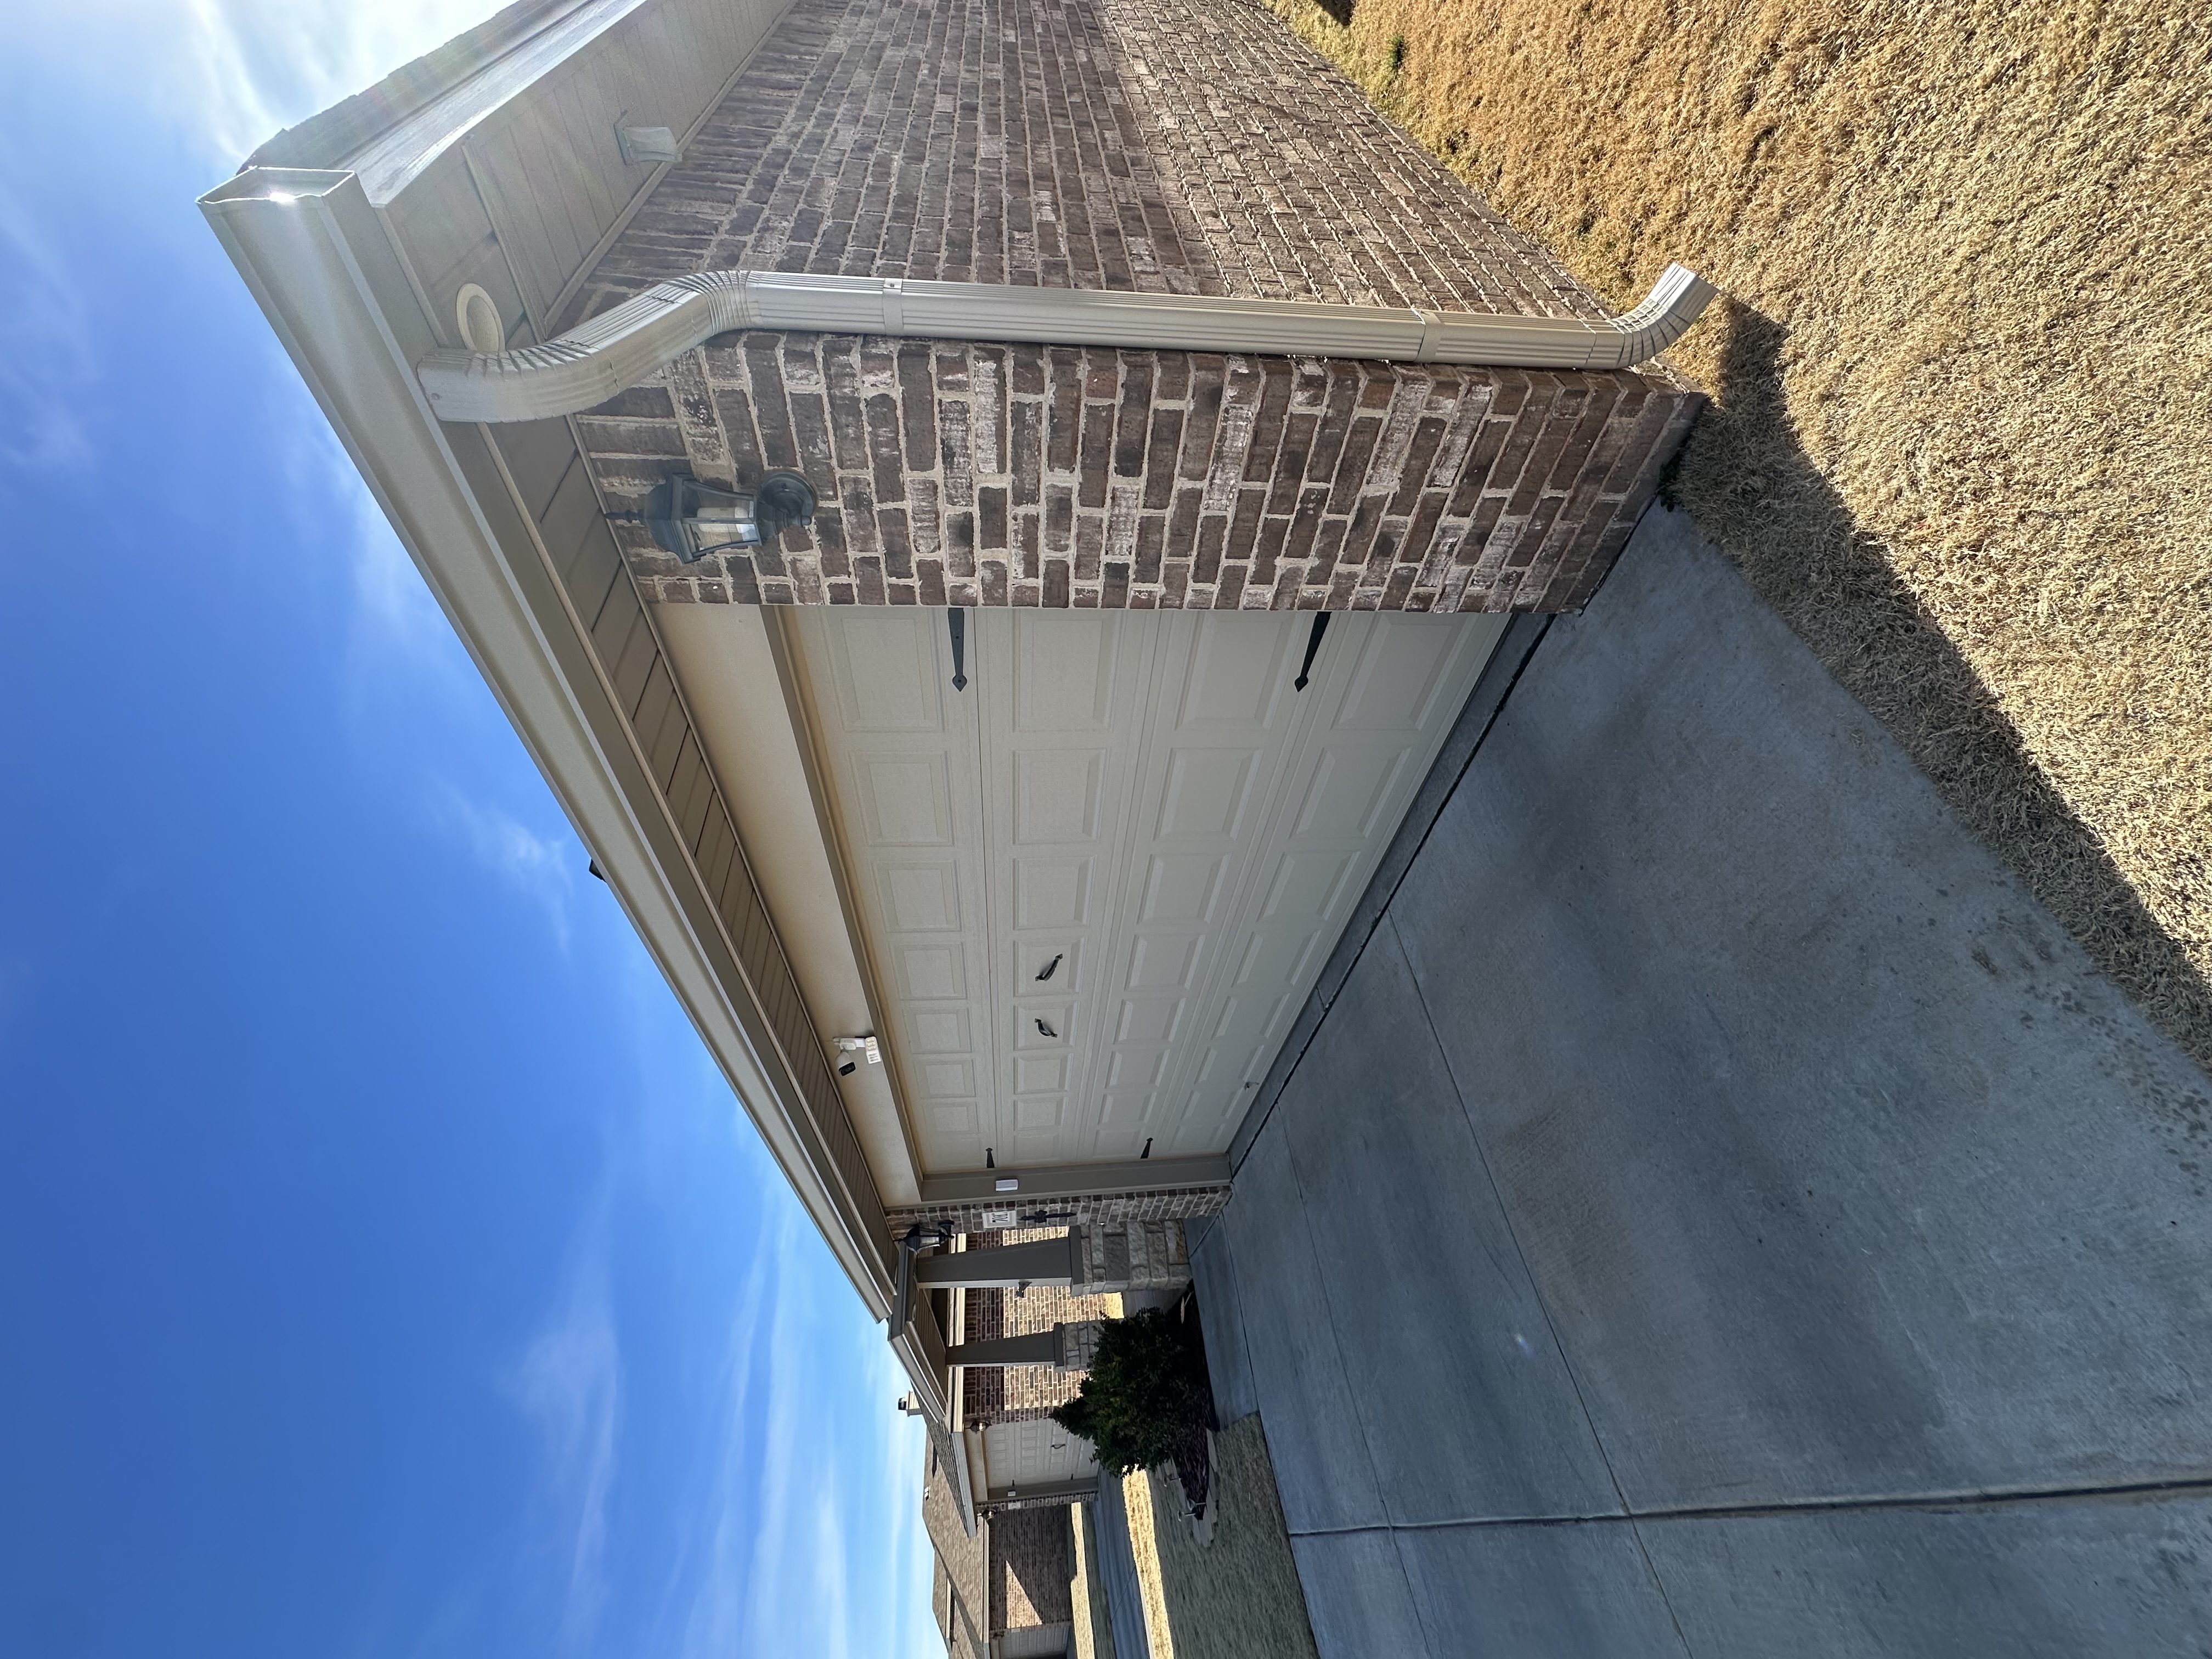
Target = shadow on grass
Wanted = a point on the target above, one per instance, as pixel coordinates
(1749, 487)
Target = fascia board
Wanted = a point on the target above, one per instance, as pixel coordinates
(312, 249)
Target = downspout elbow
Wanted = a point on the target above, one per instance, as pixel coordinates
(1677, 300)
(593, 362)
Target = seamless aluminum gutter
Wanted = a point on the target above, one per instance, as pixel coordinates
(621, 348)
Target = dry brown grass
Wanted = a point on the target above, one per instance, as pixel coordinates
(1962, 436)
(1238, 1596)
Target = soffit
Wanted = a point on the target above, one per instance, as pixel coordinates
(1095, 886)
(726, 666)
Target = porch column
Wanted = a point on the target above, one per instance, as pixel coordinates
(1046, 1262)
(1068, 1348)
(1042, 1348)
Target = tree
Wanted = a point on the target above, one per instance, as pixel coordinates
(1146, 1395)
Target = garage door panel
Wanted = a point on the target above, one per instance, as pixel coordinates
(906, 799)
(1143, 800)
(1057, 794)
(1396, 678)
(1052, 893)
(1064, 671)
(1206, 793)
(884, 670)
(921, 898)
(1234, 671)
(1347, 789)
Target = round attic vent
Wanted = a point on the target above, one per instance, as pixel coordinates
(481, 328)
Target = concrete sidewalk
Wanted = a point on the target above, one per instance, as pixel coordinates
(1722, 1213)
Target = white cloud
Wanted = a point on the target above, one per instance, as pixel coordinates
(811, 1523)
(568, 1383)
(215, 79)
(709, 1586)
(265, 64)
(534, 865)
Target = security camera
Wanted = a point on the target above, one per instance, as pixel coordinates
(857, 1045)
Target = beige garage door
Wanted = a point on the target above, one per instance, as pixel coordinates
(1098, 883)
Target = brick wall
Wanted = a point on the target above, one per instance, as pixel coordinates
(977, 1216)
(1160, 145)
(1032, 1569)
(1007, 1394)
(961, 1556)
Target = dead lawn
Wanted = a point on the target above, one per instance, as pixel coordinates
(1962, 435)
(1236, 1596)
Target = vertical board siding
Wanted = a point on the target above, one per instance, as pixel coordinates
(549, 475)
(550, 155)
(553, 184)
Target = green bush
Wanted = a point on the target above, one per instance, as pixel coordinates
(1145, 1393)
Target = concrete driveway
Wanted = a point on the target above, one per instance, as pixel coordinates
(1719, 1212)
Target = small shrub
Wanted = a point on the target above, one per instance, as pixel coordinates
(1144, 1396)
(1397, 53)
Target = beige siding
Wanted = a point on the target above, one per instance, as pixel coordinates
(523, 200)
(550, 482)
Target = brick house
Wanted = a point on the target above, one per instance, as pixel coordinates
(871, 450)
(1009, 1587)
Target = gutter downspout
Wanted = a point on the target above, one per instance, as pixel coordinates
(621, 348)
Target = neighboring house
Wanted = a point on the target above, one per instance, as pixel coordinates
(1008, 1589)
(1179, 439)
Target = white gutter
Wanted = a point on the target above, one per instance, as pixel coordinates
(316, 255)
(621, 348)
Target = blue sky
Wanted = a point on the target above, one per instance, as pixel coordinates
(384, 1268)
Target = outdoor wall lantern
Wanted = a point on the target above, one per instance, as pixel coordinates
(692, 519)
(644, 147)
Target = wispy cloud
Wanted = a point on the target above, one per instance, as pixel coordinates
(536, 866)
(568, 1383)
(249, 67)
(404, 673)
(213, 79)
(753, 1459)
(47, 362)
(813, 1520)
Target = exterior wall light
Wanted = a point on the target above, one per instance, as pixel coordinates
(645, 147)
(691, 520)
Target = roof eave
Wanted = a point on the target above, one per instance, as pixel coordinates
(312, 249)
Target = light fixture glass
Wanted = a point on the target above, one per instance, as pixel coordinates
(692, 519)
(645, 147)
